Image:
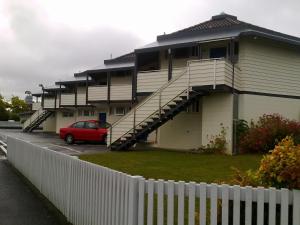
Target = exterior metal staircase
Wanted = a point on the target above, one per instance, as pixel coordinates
(164, 104)
(36, 119)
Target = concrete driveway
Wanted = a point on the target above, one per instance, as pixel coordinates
(53, 142)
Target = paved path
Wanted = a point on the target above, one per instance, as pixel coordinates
(18, 204)
(53, 142)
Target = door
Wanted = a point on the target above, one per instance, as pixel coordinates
(102, 118)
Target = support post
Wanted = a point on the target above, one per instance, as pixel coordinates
(87, 89)
(55, 99)
(59, 95)
(134, 80)
(215, 67)
(43, 98)
(170, 66)
(188, 81)
(108, 87)
(75, 92)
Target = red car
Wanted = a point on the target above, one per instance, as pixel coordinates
(91, 130)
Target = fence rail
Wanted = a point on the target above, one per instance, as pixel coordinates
(89, 194)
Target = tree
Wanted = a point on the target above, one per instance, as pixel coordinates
(4, 114)
(18, 105)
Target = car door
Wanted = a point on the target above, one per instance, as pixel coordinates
(78, 130)
(91, 131)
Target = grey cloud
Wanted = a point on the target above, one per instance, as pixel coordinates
(41, 53)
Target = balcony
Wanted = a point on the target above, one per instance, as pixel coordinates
(68, 99)
(97, 93)
(36, 106)
(121, 92)
(49, 103)
(206, 72)
(150, 81)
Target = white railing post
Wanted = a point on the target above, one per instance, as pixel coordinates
(296, 207)
(215, 67)
(133, 206)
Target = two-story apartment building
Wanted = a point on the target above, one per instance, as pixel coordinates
(188, 84)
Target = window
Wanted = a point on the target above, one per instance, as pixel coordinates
(119, 111)
(67, 114)
(218, 53)
(180, 53)
(78, 125)
(91, 125)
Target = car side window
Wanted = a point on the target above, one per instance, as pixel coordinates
(78, 125)
(91, 125)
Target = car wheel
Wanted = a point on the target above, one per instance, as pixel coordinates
(69, 139)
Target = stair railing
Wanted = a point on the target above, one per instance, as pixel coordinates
(159, 92)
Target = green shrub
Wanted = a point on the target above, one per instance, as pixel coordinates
(265, 134)
(217, 143)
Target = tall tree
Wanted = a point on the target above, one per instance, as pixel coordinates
(4, 114)
(18, 105)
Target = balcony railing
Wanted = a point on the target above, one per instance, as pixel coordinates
(36, 106)
(49, 103)
(120, 92)
(117, 93)
(150, 81)
(68, 99)
(97, 93)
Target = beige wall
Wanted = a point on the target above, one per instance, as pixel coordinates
(183, 132)
(121, 79)
(254, 106)
(269, 67)
(49, 125)
(216, 109)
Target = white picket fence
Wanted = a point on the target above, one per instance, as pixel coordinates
(88, 194)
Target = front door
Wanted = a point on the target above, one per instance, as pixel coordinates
(102, 118)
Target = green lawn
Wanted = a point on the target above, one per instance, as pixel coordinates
(168, 165)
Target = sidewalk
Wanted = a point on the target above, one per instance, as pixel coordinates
(18, 204)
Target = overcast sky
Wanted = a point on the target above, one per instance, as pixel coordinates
(45, 41)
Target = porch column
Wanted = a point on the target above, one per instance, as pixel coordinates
(170, 66)
(75, 92)
(200, 56)
(55, 95)
(43, 97)
(59, 95)
(87, 89)
(108, 87)
(134, 79)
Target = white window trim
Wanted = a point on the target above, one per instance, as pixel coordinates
(119, 114)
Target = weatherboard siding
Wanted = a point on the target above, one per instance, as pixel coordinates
(269, 68)
(81, 96)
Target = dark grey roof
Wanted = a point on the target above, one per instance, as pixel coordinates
(121, 59)
(124, 62)
(222, 26)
